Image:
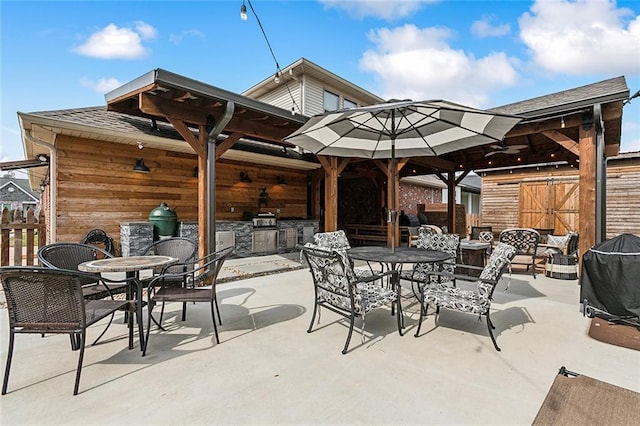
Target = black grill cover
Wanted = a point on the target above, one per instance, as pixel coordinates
(610, 279)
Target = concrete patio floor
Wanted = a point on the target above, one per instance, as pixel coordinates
(268, 370)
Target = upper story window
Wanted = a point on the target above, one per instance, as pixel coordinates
(331, 101)
(349, 104)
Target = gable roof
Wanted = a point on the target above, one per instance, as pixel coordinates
(614, 89)
(24, 192)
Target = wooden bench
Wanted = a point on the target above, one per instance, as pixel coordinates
(372, 234)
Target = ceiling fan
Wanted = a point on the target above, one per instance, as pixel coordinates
(505, 149)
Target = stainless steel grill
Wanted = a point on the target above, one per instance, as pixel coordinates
(265, 221)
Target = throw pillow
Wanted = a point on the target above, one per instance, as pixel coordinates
(557, 240)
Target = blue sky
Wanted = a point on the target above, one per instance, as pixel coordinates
(67, 54)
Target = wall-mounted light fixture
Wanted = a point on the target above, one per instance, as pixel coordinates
(280, 180)
(140, 167)
(244, 177)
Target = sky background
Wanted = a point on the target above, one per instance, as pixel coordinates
(67, 54)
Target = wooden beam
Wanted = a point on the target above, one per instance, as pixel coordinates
(609, 112)
(227, 144)
(188, 136)
(434, 162)
(563, 140)
(587, 179)
(155, 105)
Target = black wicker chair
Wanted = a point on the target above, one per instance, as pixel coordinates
(100, 238)
(162, 288)
(338, 289)
(49, 301)
(183, 249)
(68, 256)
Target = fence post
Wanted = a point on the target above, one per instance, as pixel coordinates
(4, 238)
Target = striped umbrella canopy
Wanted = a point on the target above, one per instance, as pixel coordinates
(398, 129)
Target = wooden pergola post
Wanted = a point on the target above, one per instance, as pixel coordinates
(333, 166)
(588, 161)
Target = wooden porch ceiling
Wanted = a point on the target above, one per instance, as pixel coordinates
(164, 96)
(192, 105)
(545, 141)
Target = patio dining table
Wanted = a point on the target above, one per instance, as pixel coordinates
(394, 260)
(131, 265)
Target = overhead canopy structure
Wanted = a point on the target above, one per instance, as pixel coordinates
(201, 113)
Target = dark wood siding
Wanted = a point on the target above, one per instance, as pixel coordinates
(97, 187)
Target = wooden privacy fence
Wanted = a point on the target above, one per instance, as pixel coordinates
(20, 239)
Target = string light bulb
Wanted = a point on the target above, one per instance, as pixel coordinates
(243, 11)
(276, 79)
(562, 122)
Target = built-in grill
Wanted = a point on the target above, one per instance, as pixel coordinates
(265, 232)
(265, 221)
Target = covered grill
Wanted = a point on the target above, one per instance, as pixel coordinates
(610, 279)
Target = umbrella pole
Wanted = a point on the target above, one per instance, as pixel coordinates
(393, 195)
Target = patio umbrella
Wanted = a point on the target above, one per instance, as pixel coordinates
(398, 129)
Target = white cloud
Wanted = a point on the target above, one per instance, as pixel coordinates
(582, 37)
(102, 85)
(118, 43)
(384, 9)
(419, 64)
(146, 31)
(177, 38)
(484, 28)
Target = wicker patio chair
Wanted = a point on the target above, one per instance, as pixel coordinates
(338, 289)
(476, 301)
(100, 238)
(49, 301)
(205, 273)
(183, 249)
(526, 241)
(68, 256)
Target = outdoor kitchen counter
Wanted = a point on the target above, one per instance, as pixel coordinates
(243, 233)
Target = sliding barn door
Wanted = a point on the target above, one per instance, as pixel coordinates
(550, 204)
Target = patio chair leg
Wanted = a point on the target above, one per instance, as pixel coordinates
(491, 327)
(352, 320)
(400, 318)
(105, 329)
(149, 318)
(215, 300)
(313, 317)
(213, 318)
(5, 382)
(161, 313)
(423, 311)
(82, 338)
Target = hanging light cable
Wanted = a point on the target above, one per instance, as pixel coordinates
(243, 9)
